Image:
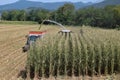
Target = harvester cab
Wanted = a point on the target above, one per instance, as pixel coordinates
(31, 39)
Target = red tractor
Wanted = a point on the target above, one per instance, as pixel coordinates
(31, 39)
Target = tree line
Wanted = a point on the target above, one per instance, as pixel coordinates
(107, 17)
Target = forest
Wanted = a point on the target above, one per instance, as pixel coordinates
(107, 17)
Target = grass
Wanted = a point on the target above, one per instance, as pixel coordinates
(18, 22)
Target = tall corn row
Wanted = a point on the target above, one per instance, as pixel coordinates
(91, 54)
(99, 59)
(112, 58)
(79, 56)
(117, 58)
(55, 55)
(66, 54)
(84, 56)
(60, 54)
(73, 55)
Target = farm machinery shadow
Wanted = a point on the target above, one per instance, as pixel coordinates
(22, 74)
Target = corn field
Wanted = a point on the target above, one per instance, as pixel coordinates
(85, 52)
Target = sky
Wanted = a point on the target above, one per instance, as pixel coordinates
(2, 2)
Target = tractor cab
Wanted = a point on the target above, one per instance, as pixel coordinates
(31, 38)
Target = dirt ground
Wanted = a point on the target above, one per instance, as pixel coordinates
(109, 77)
(12, 59)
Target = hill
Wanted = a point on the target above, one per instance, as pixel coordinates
(105, 3)
(24, 4)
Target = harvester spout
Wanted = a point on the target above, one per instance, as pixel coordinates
(56, 23)
(64, 30)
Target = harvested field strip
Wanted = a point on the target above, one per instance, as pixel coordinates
(15, 29)
(3, 27)
(9, 51)
(18, 63)
(6, 50)
(11, 35)
(6, 43)
(12, 60)
(8, 60)
(15, 67)
(12, 42)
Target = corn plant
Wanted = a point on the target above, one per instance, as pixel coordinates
(74, 55)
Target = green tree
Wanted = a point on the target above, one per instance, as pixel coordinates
(13, 15)
(65, 14)
(87, 16)
(102, 17)
(4, 15)
(116, 11)
(37, 15)
(21, 16)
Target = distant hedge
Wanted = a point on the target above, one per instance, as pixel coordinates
(18, 22)
(107, 17)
